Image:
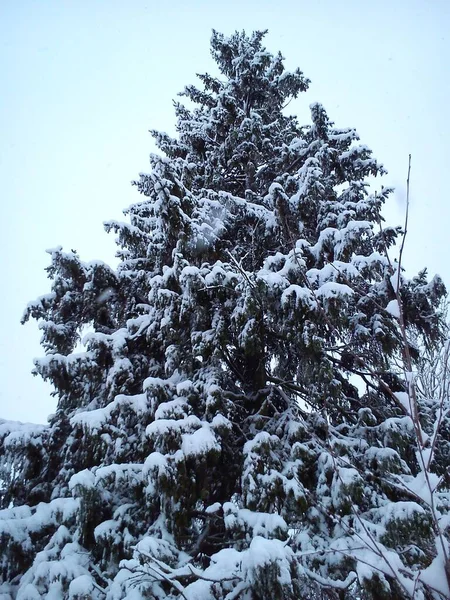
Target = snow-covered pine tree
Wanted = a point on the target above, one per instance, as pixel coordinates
(210, 442)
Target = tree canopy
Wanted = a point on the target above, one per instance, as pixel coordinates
(243, 421)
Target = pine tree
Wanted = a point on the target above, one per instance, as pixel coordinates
(210, 441)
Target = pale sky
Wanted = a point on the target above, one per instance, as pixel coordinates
(83, 81)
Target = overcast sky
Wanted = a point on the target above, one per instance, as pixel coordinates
(82, 82)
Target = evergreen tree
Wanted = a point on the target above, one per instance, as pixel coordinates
(211, 442)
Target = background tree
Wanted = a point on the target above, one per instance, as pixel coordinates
(210, 441)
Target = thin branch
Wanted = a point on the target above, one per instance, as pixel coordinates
(400, 256)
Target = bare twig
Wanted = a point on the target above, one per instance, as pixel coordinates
(402, 246)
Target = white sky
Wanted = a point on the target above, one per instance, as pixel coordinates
(81, 83)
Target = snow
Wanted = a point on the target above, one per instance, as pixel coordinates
(40, 301)
(28, 592)
(105, 295)
(156, 383)
(108, 530)
(260, 438)
(155, 462)
(303, 296)
(332, 271)
(260, 524)
(246, 566)
(361, 148)
(402, 511)
(423, 485)
(19, 522)
(85, 479)
(399, 425)
(213, 508)
(173, 409)
(15, 433)
(325, 267)
(163, 426)
(90, 478)
(96, 419)
(383, 456)
(200, 442)
(81, 586)
(339, 238)
(374, 259)
(263, 552)
(273, 280)
(220, 274)
(331, 290)
(199, 590)
(404, 400)
(185, 387)
(219, 422)
(375, 559)
(393, 309)
(435, 575)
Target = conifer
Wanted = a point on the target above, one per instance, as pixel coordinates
(240, 423)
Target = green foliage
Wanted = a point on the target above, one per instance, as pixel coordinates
(210, 441)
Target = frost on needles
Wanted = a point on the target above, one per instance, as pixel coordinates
(240, 425)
